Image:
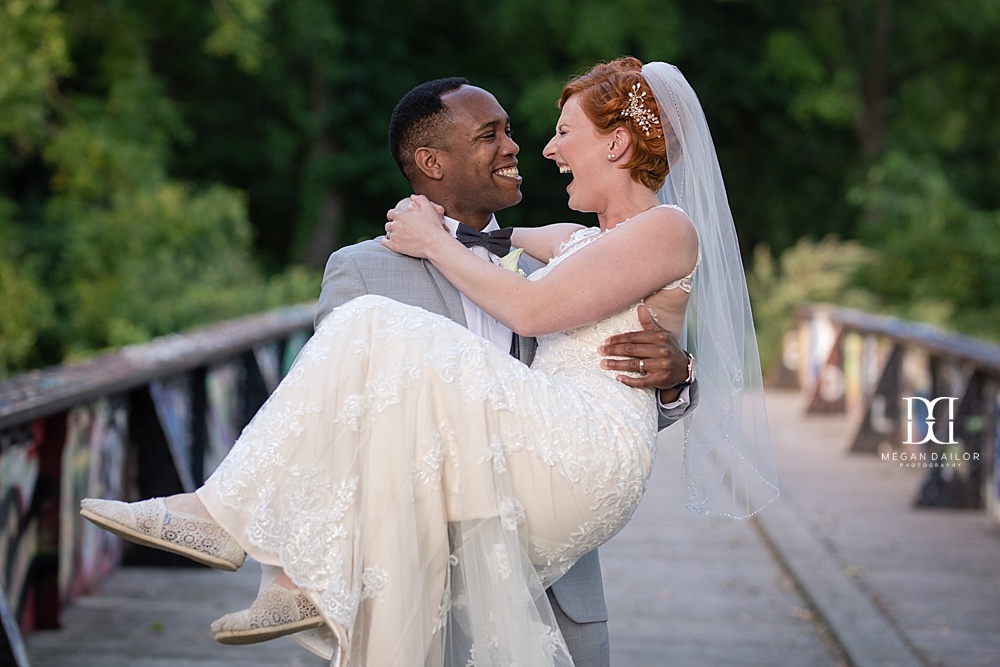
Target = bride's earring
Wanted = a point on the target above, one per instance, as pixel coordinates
(611, 156)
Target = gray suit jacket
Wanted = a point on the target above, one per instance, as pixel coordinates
(371, 268)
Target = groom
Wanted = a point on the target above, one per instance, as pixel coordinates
(452, 141)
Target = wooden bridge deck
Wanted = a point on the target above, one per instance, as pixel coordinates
(840, 571)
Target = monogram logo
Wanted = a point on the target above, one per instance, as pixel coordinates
(929, 422)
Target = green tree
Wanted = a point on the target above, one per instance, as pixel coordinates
(939, 255)
(164, 163)
(106, 247)
(920, 175)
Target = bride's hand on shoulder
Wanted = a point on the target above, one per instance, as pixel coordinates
(414, 226)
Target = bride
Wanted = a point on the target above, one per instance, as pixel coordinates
(407, 471)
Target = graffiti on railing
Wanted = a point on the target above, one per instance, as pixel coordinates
(147, 420)
(19, 473)
(173, 400)
(93, 464)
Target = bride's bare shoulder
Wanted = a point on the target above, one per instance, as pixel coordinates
(669, 214)
(667, 224)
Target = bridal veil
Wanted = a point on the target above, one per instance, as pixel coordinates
(728, 464)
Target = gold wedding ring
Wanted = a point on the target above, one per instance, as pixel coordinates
(642, 365)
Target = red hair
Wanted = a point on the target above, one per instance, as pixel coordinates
(603, 94)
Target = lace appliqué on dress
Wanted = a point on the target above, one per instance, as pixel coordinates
(452, 431)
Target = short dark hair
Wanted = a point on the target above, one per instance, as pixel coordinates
(418, 120)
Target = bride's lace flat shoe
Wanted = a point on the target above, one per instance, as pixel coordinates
(151, 524)
(275, 613)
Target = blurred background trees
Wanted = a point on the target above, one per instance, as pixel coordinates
(165, 164)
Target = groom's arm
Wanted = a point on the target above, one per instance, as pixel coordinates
(672, 412)
(665, 366)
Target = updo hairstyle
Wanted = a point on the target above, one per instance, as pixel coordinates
(603, 94)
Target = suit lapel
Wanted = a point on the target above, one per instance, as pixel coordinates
(451, 300)
(525, 350)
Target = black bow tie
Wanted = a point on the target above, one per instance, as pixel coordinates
(497, 241)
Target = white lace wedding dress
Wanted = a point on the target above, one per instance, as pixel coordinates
(406, 469)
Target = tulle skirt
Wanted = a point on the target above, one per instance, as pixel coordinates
(423, 487)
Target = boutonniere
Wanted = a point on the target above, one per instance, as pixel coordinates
(509, 261)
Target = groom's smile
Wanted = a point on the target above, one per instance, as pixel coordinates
(509, 173)
(480, 156)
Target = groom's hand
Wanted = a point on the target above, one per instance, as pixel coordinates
(664, 364)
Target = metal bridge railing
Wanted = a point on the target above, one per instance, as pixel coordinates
(146, 420)
(914, 395)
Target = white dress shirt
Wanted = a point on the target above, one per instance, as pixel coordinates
(479, 321)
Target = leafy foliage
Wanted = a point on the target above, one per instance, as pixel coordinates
(825, 271)
(101, 246)
(939, 258)
(164, 164)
